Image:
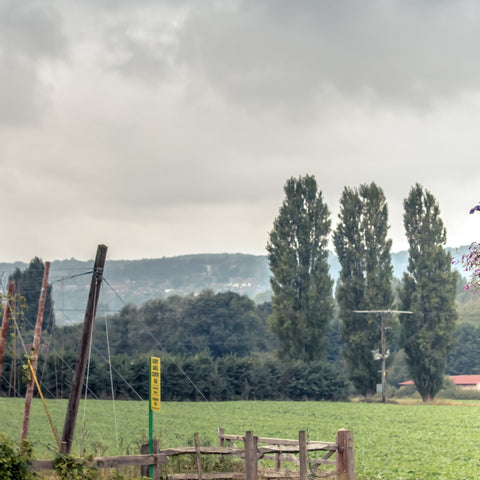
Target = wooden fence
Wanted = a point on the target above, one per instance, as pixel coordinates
(254, 449)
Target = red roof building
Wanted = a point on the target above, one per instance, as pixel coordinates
(471, 382)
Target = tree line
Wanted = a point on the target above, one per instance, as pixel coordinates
(307, 323)
(302, 299)
(193, 378)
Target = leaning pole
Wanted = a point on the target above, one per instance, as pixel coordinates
(83, 349)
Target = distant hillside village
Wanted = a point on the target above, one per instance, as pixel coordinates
(136, 281)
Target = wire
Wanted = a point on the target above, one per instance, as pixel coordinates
(111, 381)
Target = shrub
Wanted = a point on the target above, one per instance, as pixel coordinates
(15, 459)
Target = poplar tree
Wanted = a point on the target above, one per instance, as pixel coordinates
(365, 280)
(428, 290)
(302, 299)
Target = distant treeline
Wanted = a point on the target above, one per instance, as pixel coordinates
(218, 323)
(215, 346)
(196, 378)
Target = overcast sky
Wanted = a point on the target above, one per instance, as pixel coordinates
(163, 128)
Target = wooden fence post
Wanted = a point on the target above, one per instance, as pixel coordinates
(198, 457)
(144, 471)
(302, 445)
(278, 462)
(345, 457)
(221, 440)
(250, 456)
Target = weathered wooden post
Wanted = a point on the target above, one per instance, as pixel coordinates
(198, 456)
(83, 349)
(278, 462)
(221, 440)
(5, 322)
(144, 470)
(35, 347)
(302, 445)
(345, 457)
(250, 456)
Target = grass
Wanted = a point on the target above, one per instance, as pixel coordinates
(392, 441)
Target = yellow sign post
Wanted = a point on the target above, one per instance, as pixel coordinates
(154, 403)
(155, 386)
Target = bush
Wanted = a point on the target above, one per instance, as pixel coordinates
(15, 459)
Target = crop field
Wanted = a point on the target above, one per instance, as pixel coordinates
(391, 441)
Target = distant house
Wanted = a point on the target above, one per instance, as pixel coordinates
(469, 382)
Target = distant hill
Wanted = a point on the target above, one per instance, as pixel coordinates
(136, 281)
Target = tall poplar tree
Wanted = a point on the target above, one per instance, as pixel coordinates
(365, 281)
(298, 258)
(428, 290)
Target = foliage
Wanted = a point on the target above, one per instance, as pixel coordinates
(69, 467)
(29, 284)
(316, 381)
(14, 460)
(298, 258)
(464, 358)
(471, 264)
(221, 323)
(428, 291)
(365, 281)
(200, 377)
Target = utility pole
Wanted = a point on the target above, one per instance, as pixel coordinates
(81, 363)
(5, 322)
(383, 340)
(36, 343)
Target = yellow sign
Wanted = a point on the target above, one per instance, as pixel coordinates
(155, 384)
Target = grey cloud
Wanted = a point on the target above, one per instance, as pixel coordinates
(21, 95)
(31, 30)
(147, 56)
(282, 53)
(29, 34)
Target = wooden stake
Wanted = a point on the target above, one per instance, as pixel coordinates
(302, 446)
(81, 363)
(345, 457)
(251, 463)
(36, 343)
(198, 457)
(5, 322)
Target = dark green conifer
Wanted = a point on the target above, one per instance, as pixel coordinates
(302, 287)
(365, 281)
(428, 290)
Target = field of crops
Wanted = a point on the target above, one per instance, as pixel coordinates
(391, 441)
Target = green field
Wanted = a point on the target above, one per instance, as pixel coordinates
(391, 441)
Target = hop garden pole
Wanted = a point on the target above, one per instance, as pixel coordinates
(36, 343)
(5, 322)
(81, 364)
